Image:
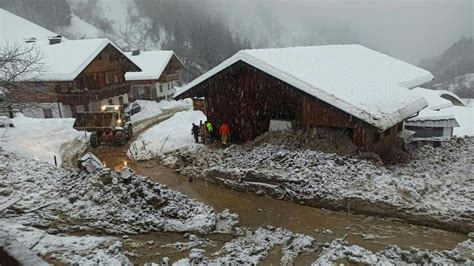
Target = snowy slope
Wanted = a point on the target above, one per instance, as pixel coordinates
(462, 85)
(80, 29)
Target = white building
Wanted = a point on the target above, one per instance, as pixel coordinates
(161, 70)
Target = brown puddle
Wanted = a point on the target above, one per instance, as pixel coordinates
(255, 211)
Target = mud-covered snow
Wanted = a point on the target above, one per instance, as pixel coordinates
(102, 201)
(254, 247)
(66, 248)
(340, 251)
(434, 186)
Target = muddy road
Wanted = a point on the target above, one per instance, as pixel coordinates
(373, 233)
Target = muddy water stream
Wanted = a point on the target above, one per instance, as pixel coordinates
(254, 211)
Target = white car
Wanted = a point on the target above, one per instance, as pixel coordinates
(6, 122)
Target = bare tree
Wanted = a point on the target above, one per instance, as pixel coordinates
(20, 65)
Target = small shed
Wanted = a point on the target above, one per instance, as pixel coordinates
(362, 92)
(432, 124)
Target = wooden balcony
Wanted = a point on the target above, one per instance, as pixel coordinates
(169, 77)
(86, 96)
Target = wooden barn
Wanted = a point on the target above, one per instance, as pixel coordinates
(362, 92)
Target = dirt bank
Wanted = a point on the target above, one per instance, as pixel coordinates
(433, 188)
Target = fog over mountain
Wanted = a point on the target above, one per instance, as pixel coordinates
(206, 32)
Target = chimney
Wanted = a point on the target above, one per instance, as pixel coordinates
(30, 40)
(136, 52)
(55, 39)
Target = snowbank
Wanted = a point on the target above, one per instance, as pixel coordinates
(152, 108)
(42, 139)
(169, 135)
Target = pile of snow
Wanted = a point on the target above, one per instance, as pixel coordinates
(172, 134)
(68, 249)
(42, 139)
(151, 109)
(435, 185)
(114, 202)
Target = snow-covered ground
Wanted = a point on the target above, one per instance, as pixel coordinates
(152, 108)
(42, 139)
(169, 135)
(433, 187)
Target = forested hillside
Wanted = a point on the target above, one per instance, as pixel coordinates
(454, 68)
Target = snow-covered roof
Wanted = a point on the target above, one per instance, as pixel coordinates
(15, 29)
(439, 99)
(431, 115)
(152, 64)
(362, 82)
(63, 61)
(66, 60)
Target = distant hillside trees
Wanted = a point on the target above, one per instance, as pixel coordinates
(47, 13)
(200, 40)
(451, 68)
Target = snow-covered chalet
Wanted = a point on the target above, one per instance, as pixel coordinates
(364, 93)
(161, 70)
(74, 75)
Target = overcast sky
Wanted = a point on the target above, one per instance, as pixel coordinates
(406, 29)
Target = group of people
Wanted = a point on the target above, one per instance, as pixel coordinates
(207, 132)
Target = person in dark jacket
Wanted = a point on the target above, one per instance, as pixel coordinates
(195, 132)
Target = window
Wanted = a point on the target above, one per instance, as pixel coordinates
(116, 79)
(121, 100)
(107, 79)
(161, 88)
(111, 101)
(169, 86)
(48, 112)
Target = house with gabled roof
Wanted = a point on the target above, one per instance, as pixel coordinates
(161, 71)
(75, 75)
(364, 93)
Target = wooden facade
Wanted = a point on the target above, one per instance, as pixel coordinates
(247, 99)
(103, 78)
